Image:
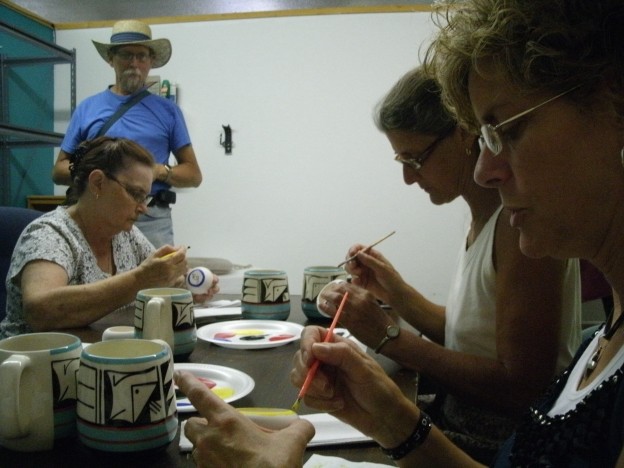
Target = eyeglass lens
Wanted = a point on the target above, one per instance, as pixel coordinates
(491, 135)
(137, 196)
(129, 56)
(416, 162)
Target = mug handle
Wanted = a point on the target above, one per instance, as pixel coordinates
(155, 322)
(16, 419)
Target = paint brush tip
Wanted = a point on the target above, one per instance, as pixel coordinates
(295, 406)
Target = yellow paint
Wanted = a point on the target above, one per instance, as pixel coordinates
(295, 406)
(266, 412)
(247, 332)
(223, 392)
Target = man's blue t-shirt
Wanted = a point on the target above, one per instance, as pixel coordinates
(155, 123)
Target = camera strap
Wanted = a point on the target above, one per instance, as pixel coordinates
(121, 110)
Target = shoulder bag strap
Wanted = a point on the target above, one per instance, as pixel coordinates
(121, 110)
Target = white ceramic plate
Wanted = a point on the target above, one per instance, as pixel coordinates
(250, 334)
(224, 377)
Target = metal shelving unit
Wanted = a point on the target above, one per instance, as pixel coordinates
(12, 136)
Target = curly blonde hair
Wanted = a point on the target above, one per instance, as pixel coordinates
(541, 46)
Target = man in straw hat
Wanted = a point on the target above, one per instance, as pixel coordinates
(154, 122)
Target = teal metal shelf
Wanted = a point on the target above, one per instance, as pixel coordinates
(36, 52)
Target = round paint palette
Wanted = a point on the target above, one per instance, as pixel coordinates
(250, 334)
(230, 384)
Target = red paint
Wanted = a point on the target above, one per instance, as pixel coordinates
(280, 337)
(224, 335)
(207, 382)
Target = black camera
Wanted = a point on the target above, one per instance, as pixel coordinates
(164, 198)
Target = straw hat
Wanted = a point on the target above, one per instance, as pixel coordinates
(132, 32)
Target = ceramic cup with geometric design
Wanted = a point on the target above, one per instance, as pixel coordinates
(328, 286)
(315, 278)
(265, 295)
(38, 389)
(166, 314)
(126, 396)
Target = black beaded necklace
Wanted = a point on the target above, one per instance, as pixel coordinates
(610, 329)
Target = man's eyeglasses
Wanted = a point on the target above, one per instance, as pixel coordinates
(416, 162)
(490, 136)
(126, 56)
(137, 195)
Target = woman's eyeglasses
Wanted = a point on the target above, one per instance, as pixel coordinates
(490, 135)
(137, 195)
(416, 162)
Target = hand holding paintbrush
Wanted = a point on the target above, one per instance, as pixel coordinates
(315, 365)
(171, 254)
(366, 249)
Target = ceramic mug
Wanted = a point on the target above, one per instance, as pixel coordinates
(38, 389)
(318, 297)
(265, 295)
(126, 396)
(166, 314)
(315, 278)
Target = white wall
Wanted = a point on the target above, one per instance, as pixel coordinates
(309, 174)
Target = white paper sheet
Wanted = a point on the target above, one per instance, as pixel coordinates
(329, 431)
(321, 461)
(332, 431)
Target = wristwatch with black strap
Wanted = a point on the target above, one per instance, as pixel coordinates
(392, 332)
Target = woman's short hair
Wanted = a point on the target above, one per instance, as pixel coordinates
(108, 154)
(414, 104)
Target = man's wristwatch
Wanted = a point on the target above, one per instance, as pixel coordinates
(392, 331)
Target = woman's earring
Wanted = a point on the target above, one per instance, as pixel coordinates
(622, 155)
(469, 152)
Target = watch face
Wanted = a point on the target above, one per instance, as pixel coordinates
(393, 331)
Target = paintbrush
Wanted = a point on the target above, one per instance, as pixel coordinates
(315, 365)
(170, 254)
(366, 249)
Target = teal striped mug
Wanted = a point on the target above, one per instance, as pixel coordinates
(265, 295)
(166, 314)
(38, 389)
(126, 396)
(315, 278)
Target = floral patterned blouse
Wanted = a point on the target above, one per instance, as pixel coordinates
(55, 237)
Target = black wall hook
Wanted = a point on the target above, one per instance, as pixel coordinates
(227, 142)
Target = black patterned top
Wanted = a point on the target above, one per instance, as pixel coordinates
(590, 435)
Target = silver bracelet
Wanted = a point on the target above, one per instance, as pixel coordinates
(168, 176)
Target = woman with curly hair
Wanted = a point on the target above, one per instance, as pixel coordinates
(542, 83)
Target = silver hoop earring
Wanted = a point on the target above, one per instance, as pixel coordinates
(622, 156)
